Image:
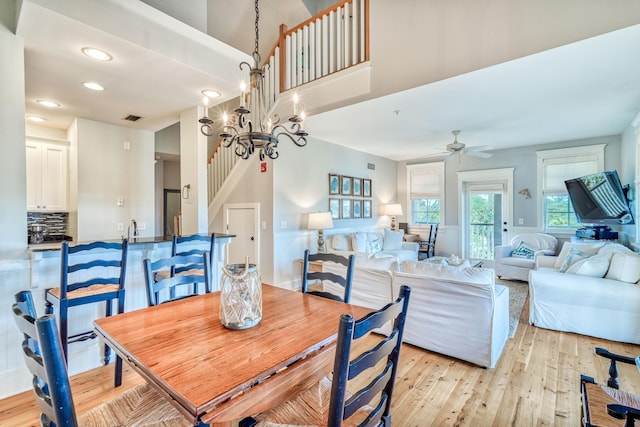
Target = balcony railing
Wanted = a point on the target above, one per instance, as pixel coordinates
(481, 241)
(333, 40)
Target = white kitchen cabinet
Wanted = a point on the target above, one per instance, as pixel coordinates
(47, 176)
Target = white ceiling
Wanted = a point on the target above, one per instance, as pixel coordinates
(585, 89)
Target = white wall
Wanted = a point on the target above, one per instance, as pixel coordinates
(107, 171)
(301, 186)
(524, 161)
(13, 209)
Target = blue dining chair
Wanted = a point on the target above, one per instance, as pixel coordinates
(167, 281)
(344, 281)
(89, 273)
(43, 355)
(369, 405)
(194, 244)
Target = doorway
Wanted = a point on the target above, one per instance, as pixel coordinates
(170, 210)
(485, 211)
(242, 220)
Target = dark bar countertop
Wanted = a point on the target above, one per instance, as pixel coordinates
(55, 246)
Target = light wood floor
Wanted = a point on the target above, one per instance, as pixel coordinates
(535, 383)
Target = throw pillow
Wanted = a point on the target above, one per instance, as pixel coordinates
(625, 267)
(374, 246)
(523, 251)
(392, 239)
(585, 248)
(593, 266)
(359, 242)
(574, 256)
(340, 243)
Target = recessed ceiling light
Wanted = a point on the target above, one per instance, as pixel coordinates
(50, 104)
(98, 54)
(36, 118)
(93, 86)
(210, 93)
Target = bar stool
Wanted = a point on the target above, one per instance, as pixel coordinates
(89, 273)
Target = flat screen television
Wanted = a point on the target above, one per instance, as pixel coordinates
(599, 199)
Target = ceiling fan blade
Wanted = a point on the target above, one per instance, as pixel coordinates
(479, 148)
(480, 154)
(449, 157)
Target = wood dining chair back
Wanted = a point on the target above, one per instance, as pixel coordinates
(89, 273)
(194, 244)
(167, 280)
(431, 243)
(345, 281)
(45, 359)
(376, 359)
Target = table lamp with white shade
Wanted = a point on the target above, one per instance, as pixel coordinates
(393, 210)
(320, 221)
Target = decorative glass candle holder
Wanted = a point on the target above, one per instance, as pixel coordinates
(240, 296)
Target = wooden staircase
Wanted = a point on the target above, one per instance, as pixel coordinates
(329, 42)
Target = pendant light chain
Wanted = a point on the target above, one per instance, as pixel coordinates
(256, 52)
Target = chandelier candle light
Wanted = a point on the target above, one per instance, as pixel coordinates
(320, 221)
(255, 127)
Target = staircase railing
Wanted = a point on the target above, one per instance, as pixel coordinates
(333, 40)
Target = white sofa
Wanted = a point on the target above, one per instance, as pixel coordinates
(374, 244)
(371, 285)
(590, 289)
(456, 311)
(459, 312)
(515, 260)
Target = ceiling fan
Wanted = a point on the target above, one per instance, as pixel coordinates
(457, 147)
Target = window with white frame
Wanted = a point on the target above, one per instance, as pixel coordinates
(554, 168)
(425, 184)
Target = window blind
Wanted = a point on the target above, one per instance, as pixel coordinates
(557, 170)
(425, 184)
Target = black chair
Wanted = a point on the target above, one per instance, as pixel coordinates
(44, 356)
(174, 280)
(601, 402)
(431, 243)
(89, 273)
(194, 244)
(369, 405)
(344, 281)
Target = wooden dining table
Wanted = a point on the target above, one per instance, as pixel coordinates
(215, 375)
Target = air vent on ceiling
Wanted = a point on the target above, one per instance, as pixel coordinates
(132, 118)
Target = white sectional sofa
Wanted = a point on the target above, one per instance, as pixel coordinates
(374, 244)
(590, 289)
(456, 311)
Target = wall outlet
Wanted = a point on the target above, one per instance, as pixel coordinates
(283, 224)
(142, 226)
(120, 226)
(120, 202)
(520, 221)
(264, 225)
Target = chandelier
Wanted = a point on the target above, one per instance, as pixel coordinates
(255, 128)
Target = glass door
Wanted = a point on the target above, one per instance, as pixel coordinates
(484, 223)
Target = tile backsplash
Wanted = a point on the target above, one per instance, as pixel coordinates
(54, 222)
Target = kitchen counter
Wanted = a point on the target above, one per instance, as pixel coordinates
(54, 246)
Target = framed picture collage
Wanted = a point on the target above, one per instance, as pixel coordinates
(349, 197)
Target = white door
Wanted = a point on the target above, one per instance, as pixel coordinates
(485, 211)
(242, 221)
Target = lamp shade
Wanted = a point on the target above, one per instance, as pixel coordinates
(393, 209)
(320, 221)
